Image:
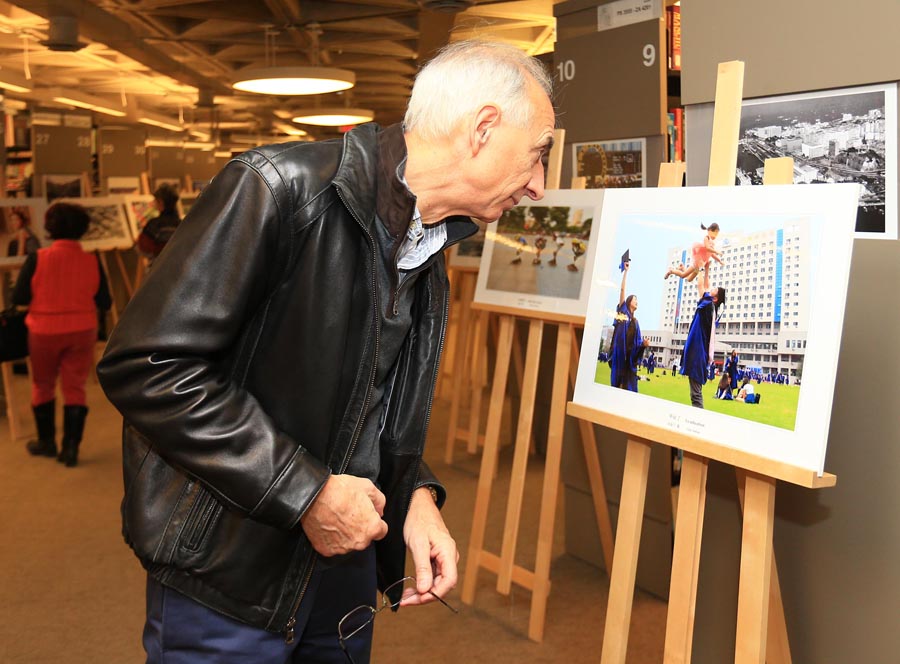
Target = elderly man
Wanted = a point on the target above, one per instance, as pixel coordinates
(276, 372)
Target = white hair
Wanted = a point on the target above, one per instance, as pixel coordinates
(464, 76)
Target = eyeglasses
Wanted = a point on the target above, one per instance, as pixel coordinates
(362, 616)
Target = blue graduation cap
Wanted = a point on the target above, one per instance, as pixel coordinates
(626, 258)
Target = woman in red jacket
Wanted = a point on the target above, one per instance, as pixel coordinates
(63, 286)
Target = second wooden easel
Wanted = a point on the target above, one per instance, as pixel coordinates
(566, 363)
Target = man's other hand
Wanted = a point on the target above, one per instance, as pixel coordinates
(345, 516)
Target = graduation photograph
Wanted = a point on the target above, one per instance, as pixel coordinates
(720, 302)
(536, 256)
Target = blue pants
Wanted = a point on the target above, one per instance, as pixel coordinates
(178, 630)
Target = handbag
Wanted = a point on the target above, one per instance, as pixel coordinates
(13, 335)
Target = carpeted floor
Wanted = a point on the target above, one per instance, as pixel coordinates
(72, 593)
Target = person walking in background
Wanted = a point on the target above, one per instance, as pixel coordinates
(156, 232)
(63, 286)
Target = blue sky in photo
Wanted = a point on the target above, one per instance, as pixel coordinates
(649, 237)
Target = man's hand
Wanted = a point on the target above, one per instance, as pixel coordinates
(433, 551)
(345, 516)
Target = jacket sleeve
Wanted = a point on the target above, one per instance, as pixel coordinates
(428, 478)
(167, 363)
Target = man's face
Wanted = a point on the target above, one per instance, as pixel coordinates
(510, 165)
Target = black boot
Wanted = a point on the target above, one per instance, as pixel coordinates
(73, 427)
(44, 418)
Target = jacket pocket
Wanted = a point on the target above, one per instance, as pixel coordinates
(204, 513)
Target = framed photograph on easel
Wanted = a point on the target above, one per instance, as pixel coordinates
(20, 218)
(611, 164)
(109, 228)
(537, 254)
(62, 186)
(773, 312)
(139, 208)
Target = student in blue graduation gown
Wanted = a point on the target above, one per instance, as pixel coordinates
(696, 357)
(627, 343)
(731, 368)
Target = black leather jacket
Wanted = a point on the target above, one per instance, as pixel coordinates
(243, 368)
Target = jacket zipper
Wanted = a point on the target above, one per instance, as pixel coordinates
(292, 621)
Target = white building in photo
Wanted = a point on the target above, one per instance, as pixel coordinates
(765, 318)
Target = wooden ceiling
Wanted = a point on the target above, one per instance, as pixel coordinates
(177, 58)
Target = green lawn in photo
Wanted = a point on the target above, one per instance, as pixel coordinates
(777, 408)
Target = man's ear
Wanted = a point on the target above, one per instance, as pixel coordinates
(486, 119)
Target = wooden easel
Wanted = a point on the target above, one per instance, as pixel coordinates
(12, 411)
(761, 632)
(566, 363)
(463, 341)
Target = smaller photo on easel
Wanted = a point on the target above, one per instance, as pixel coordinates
(537, 256)
(22, 226)
(109, 228)
(62, 186)
(123, 185)
(843, 135)
(716, 312)
(618, 164)
(140, 208)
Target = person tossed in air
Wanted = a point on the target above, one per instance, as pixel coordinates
(701, 253)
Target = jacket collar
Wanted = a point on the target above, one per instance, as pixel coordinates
(396, 204)
(368, 180)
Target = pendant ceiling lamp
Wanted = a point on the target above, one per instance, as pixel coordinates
(294, 80)
(334, 117)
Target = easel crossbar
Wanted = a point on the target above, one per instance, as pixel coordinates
(738, 458)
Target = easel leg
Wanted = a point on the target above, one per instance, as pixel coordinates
(541, 590)
(140, 270)
(686, 560)
(11, 415)
(778, 648)
(113, 310)
(488, 460)
(125, 278)
(628, 536)
(520, 457)
(756, 570)
(467, 289)
(479, 353)
(595, 474)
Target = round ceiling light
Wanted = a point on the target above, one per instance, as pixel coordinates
(334, 117)
(294, 80)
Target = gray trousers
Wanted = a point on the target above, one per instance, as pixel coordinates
(696, 393)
